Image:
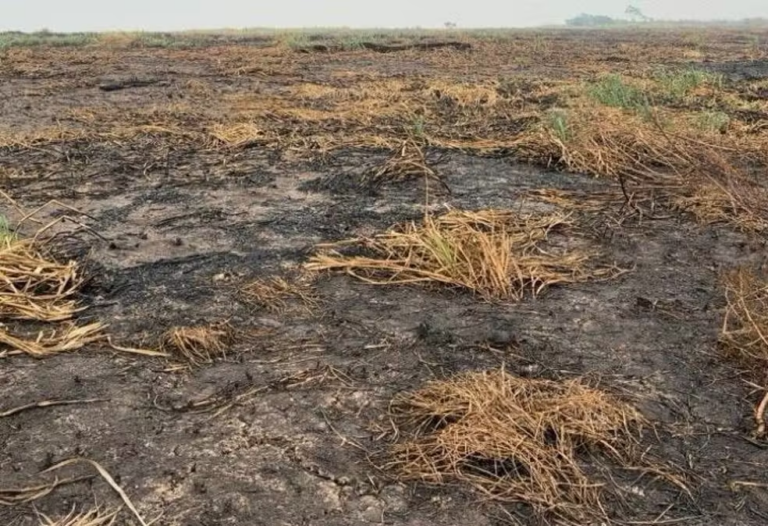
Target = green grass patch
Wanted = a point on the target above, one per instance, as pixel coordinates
(614, 91)
(556, 120)
(679, 84)
(13, 39)
(7, 235)
(713, 121)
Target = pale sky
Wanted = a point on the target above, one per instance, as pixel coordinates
(160, 15)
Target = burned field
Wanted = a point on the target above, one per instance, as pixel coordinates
(440, 279)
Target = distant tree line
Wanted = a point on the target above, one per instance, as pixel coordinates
(585, 20)
(635, 16)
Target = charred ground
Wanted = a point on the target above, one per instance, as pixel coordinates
(196, 170)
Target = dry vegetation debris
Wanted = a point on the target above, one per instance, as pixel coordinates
(199, 345)
(281, 295)
(515, 439)
(681, 128)
(408, 162)
(744, 334)
(745, 327)
(497, 254)
(93, 517)
(65, 338)
(35, 287)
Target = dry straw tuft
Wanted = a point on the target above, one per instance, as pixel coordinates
(236, 135)
(514, 439)
(279, 295)
(33, 286)
(407, 163)
(36, 287)
(68, 338)
(199, 345)
(745, 328)
(497, 254)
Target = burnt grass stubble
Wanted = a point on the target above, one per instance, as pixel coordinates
(178, 238)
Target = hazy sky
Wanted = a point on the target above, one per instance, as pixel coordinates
(82, 15)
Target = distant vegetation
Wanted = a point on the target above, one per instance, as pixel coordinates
(336, 38)
(585, 20)
(635, 17)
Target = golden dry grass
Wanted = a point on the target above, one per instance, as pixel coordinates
(33, 286)
(744, 334)
(745, 326)
(66, 338)
(515, 440)
(408, 162)
(497, 254)
(199, 345)
(282, 295)
(236, 135)
(93, 517)
(696, 172)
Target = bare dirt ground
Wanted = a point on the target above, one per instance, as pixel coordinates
(175, 230)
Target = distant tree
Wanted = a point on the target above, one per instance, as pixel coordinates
(450, 25)
(635, 14)
(585, 20)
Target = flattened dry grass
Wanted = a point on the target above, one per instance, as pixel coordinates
(281, 295)
(33, 286)
(93, 517)
(704, 175)
(731, 199)
(497, 254)
(67, 338)
(407, 163)
(36, 287)
(744, 334)
(236, 135)
(515, 440)
(745, 327)
(199, 345)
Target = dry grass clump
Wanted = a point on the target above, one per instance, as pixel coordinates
(733, 200)
(408, 162)
(497, 254)
(583, 201)
(68, 338)
(514, 439)
(236, 135)
(704, 175)
(605, 141)
(33, 286)
(36, 287)
(745, 327)
(93, 517)
(279, 295)
(744, 334)
(13, 138)
(199, 345)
